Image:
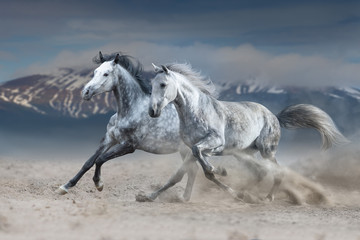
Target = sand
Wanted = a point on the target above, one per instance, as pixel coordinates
(30, 208)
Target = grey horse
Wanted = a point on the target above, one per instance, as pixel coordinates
(131, 127)
(211, 127)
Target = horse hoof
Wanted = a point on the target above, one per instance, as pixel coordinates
(99, 186)
(270, 197)
(185, 198)
(142, 197)
(62, 190)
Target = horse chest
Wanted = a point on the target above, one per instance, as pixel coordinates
(127, 133)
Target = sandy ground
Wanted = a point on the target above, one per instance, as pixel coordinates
(30, 208)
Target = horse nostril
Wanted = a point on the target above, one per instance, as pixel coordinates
(86, 94)
(151, 112)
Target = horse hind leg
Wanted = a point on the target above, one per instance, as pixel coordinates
(277, 181)
(117, 151)
(278, 174)
(260, 170)
(267, 144)
(253, 165)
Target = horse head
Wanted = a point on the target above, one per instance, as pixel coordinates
(104, 79)
(164, 90)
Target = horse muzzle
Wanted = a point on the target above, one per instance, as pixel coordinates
(153, 113)
(87, 94)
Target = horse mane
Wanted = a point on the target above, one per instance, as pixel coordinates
(203, 83)
(132, 65)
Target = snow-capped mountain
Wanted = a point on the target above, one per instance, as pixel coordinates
(55, 94)
(342, 104)
(58, 94)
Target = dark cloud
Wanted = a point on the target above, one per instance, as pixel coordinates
(256, 22)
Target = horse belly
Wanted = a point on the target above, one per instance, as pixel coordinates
(161, 136)
(160, 145)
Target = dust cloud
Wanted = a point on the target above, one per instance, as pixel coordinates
(318, 199)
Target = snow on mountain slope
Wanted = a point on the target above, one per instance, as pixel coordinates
(57, 93)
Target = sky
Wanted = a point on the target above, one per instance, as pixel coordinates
(306, 43)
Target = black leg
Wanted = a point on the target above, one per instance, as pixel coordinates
(87, 165)
(117, 151)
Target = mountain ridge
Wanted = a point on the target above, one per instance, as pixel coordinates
(58, 94)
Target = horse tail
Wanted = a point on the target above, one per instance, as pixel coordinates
(309, 116)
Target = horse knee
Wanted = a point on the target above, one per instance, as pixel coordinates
(87, 166)
(210, 176)
(196, 151)
(177, 177)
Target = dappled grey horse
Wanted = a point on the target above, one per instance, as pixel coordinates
(211, 127)
(131, 127)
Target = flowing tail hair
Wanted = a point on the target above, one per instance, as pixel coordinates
(309, 116)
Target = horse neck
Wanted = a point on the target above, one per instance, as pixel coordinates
(127, 93)
(188, 100)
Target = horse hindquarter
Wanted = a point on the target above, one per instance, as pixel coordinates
(245, 122)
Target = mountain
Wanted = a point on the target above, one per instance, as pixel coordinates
(342, 104)
(58, 95)
(54, 94)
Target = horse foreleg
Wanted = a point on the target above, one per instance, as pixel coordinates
(209, 170)
(192, 171)
(87, 165)
(118, 151)
(207, 144)
(177, 177)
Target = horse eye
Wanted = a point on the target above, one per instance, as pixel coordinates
(162, 85)
(105, 74)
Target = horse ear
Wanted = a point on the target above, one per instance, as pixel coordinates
(117, 59)
(102, 59)
(165, 69)
(156, 68)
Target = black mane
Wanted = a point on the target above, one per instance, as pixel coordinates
(132, 65)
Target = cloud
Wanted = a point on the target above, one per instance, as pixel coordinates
(225, 64)
(270, 24)
(276, 32)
